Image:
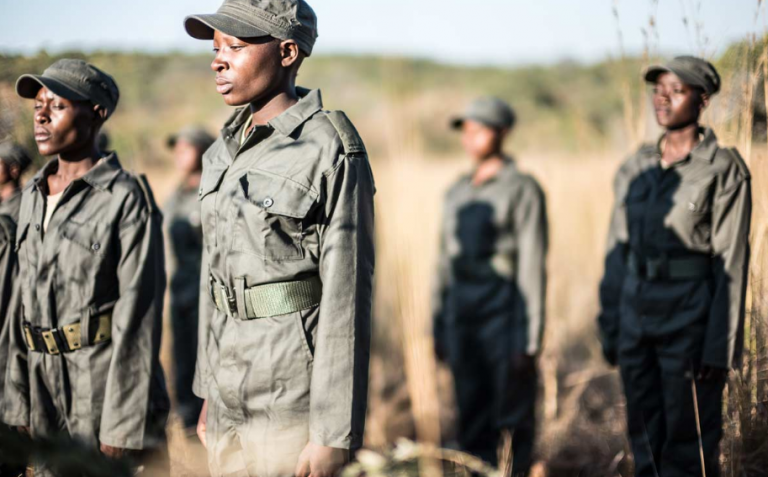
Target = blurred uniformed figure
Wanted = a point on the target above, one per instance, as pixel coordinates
(13, 162)
(490, 288)
(185, 238)
(84, 354)
(675, 277)
(287, 212)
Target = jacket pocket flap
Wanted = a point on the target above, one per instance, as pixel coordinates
(279, 195)
(210, 181)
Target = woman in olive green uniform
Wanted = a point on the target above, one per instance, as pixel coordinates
(84, 359)
(675, 278)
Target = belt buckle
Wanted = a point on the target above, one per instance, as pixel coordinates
(656, 268)
(49, 338)
(28, 337)
(230, 303)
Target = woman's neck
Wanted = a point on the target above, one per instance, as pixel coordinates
(72, 166)
(488, 168)
(678, 143)
(274, 105)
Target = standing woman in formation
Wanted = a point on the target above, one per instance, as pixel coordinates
(84, 355)
(675, 279)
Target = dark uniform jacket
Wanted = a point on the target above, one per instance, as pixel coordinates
(102, 255)
(697, 209)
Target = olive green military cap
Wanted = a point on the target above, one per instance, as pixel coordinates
(282, 19)
(490, 111)
(74, 80)
(692, 70)
(195, 135)
(14, 155)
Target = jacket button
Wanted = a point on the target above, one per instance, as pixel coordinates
(268, 202)
(95, 247)
(691, 206)
(37, 227)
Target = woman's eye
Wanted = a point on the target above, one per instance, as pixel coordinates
(38, 107)
(215, 50)
(236, 47)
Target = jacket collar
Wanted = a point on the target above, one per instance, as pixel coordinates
(101, 176)
(310, 102)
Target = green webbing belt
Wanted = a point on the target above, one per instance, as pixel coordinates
(273, 299)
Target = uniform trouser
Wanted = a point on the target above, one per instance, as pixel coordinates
(492, 397)
(184, 320)
(258, 400)
(661, 404)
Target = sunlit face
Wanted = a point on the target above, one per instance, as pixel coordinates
(246, 69)
(480, 141)
(63, 126)
(188, 157)
(677, 104)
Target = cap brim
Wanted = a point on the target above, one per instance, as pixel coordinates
(652, 75)
(457, 123)
(202, 27)
(27, 86)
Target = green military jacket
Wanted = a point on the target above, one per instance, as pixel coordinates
(8, 294)
(102, 255)
(295, 200)
(185, 239)
(700, 207)
(10, 206)
(492, 260)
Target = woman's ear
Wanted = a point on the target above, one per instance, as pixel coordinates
(100, 112)
(14, 171)
(289, 53)
(704, 101)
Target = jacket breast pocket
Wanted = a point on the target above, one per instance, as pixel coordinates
(691, 215)
(83, 249)
(209, 185)
(271, 215)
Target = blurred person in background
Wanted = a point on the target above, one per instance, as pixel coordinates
(287, 212)
(14, 160)
(490, 289)
(185, 237)
(84, 354)
(675, 277)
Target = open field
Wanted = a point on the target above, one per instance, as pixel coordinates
(576, 125)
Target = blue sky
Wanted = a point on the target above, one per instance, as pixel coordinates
(474, 32)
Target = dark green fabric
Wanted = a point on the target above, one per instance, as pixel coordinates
(289, 203)
(103, 251)
(283, 19)
(75, 80)
(184, 232)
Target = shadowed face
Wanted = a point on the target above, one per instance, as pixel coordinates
(480, 141)
(677, 104)
(63, 126)
(247, 69)
(5, 173)
(188, 157)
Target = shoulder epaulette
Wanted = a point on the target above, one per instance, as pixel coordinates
(350, 138)
(734, 155)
